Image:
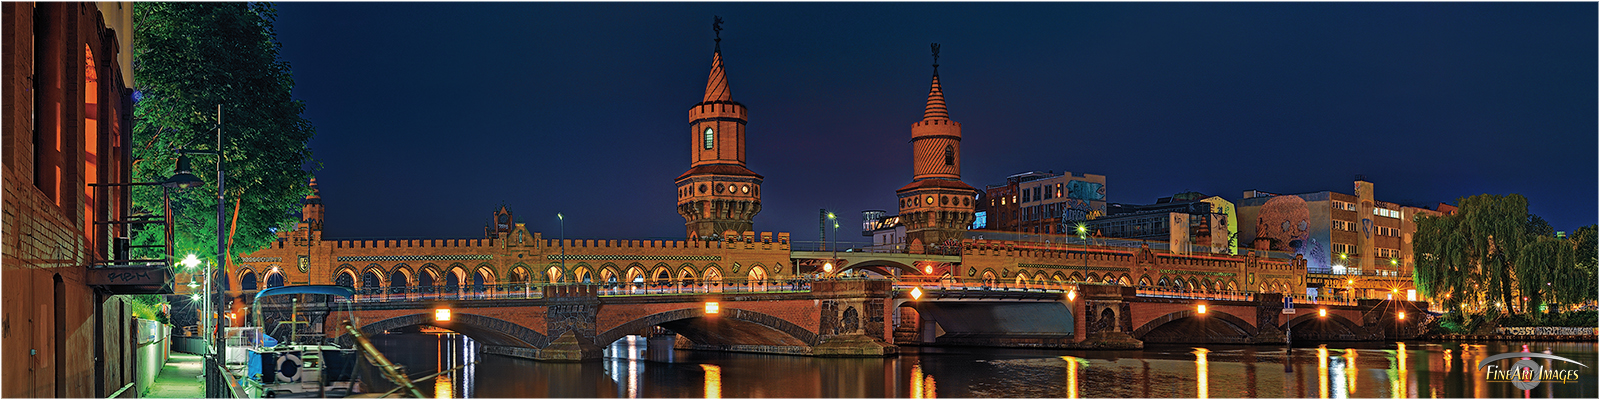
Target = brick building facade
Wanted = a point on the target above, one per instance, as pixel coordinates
(67, 109)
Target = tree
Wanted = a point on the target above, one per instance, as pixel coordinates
(1492, 252)
(188, 59)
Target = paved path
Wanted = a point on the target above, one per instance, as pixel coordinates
(179, 379)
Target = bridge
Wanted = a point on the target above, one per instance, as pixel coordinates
(866, 317)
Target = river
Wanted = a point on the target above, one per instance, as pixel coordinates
(634, 368)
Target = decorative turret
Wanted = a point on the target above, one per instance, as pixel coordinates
(502, 223)
(936, 206)
(311, 210)
(718, 195)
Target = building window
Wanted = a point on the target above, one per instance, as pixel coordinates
(711, 137)
(949, 155)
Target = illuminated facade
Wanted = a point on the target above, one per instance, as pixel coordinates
(1339, 234)
(1187, 222)
(1043, 202)
(67, 123)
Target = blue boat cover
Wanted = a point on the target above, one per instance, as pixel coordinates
(334, 290)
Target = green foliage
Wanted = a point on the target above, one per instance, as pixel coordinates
(1493, 255)
(1569, 319)
(148, 306)
(189, 58)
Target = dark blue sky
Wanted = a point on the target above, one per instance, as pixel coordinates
(430, 115)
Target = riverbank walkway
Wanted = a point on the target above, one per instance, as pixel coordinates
(179, 379)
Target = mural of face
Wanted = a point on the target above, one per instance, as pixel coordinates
(1285, 220)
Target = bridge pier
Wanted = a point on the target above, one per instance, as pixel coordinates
(852, 320)
(1107, 319)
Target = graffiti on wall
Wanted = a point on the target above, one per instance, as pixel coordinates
(1289, 225)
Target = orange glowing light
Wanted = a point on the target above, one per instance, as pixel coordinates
(1322, 312)
(442, 314)
(1202, 308)
(713, 308)
(916, 293)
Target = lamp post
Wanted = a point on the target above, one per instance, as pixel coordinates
(563, 220)
(835, 238)
(184, 179)
(1083, 232)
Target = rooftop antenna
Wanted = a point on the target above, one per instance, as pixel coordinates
(716, 27)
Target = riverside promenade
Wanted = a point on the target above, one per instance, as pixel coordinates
(179, 379)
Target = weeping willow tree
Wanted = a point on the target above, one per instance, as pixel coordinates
(1493, 254)
(189, 58)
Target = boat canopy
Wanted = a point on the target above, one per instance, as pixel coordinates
(334, 290)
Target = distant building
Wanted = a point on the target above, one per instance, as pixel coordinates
(1339, 233)
(1043, 202)
(1187, 222)
(886, 230)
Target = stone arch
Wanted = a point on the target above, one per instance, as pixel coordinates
(488, 330)
(1144, 280)
(1076, 278)
(1058, 277)
(1230, 319)
(609, 274)
(988, 276)
(1124, 281)
(247, 278)
(1093, 278)
(1164, 283)
(756, 273)
(455, 277)
(1233, 285)
(484, 276)
(345, 275)
(582, 274)
(1106, 320)
(1038, 278)
(686, 274)
(274, 278)
(519, 273)
(636, 274)
(428, 277)
(1299, 322)
(554, 274)
(796, 334)
(712, 267)
(712, 275)
(1205, 285)
(399, 278)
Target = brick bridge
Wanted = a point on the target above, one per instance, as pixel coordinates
(856, 318)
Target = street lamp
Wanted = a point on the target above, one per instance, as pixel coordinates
(184, 179)
(563, 220)
(1083, 232)
(835, 238)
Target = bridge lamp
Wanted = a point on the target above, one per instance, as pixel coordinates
(1400, 316)
(928, 269)
(1202, 308)
(1072, 295)
(916, 293)
(713, 308)
(442, 314)
(1322, 312)
(827, 267)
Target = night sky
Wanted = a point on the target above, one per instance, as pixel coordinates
(429, 116)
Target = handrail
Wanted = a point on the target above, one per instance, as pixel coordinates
(233, 384)
(119, 391)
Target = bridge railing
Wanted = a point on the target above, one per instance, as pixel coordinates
(536, 290)
(673, 288)
(843, 247)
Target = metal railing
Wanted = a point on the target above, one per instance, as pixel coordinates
(536, 290)
(846, 247)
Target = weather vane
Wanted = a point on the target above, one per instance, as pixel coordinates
(716, 27)
(935, 58)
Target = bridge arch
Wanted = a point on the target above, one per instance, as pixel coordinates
(1333, 327)
(748, 327)
(399, 278)
(428, 277)
(1230, 325)
(247, 278)
(488, 330)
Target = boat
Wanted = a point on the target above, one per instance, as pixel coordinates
(303, 365)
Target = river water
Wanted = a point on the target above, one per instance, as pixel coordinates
(638, 367)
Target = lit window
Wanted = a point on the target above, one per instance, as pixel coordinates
(711, 137)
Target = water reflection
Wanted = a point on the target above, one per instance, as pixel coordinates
(638, 367)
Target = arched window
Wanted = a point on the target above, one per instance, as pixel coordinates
(949, 155)
(345, 279)
(274, 279)
(247, 280)
(711, 137)
(425, 280)
(553, 274)
(758, 274)
(478, 280)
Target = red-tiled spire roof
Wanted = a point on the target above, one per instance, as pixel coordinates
(935, 102)
(717, 86)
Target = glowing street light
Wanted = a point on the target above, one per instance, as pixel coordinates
(1202, 308)
(916, 293)
(1072, 295)
(442, 314)
(190, 261)
(1322, 312)
(713, 308)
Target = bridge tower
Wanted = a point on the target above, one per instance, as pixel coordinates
(311, 210)
(936, 206)
(718, 194)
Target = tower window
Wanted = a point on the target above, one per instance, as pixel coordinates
(711, 137)
(949, 155)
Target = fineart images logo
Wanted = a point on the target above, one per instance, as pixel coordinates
(1526, 373)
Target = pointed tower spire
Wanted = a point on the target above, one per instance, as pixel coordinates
(936, 108)
(717, 85)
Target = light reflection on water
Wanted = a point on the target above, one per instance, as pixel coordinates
(636, 367)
